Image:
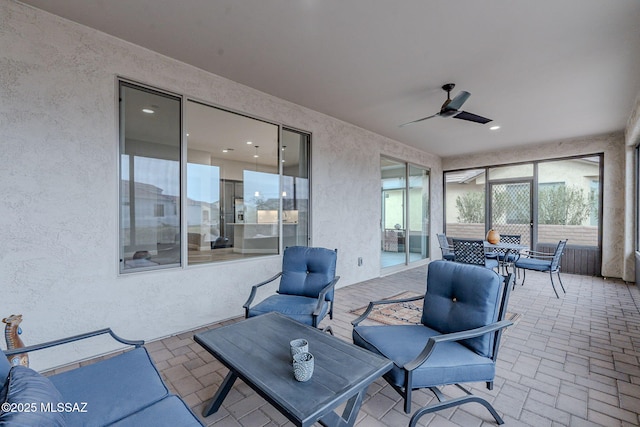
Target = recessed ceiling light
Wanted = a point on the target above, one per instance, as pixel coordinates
(494, 128)
(226, 150)
(249, 142)
(148, 110)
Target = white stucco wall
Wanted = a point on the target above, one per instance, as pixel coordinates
(615, 255)
(59, 189)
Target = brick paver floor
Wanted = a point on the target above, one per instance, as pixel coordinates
(573, 361)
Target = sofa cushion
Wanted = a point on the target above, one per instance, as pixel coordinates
(112, 388)
(32, 400)
(169, 412)
(5, 367)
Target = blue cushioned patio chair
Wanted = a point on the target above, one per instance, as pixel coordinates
(446, 248)
(306, 289)
(541, 261)
(472, 252)
(457, 341)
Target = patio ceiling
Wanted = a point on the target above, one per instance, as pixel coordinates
(542, 70)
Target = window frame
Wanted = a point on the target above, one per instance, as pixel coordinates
(183, 161)
(536, 163)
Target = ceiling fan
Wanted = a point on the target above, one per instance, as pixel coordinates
(450, 108)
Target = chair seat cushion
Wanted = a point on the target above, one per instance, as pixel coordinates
(294, 306)
(450, 362)
(112, 388)
(491, 263)
(509, 258)
(533, 264)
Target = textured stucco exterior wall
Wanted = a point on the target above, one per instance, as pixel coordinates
(614, 253)
(59, 189)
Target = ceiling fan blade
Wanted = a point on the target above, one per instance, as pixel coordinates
(457, 102)
(463, 115)
(419, 120)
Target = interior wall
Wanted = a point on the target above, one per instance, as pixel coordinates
(59, 189)
(614, 254)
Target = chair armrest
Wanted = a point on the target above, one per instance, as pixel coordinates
(372, 304)
(535, 254)
(454, 336)
(323, 293)
(254, 290)
(74, 338)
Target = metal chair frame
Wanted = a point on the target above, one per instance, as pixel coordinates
(445, 402)
(554, 266)
(445, 247)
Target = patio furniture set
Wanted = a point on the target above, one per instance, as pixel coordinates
(456, 342)
(506, 253)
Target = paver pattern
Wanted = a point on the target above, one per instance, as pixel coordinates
(573, 361)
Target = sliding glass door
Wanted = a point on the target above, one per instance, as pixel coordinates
(404, 213)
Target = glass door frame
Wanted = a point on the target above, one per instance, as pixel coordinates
(489, 203)
(405, 226)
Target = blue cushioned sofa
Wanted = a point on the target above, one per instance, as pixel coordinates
(124, 390)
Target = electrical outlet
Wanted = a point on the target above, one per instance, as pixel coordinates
(359, 261)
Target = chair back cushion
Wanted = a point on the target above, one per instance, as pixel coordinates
(305, 271)
(461, 297)
(33, 398)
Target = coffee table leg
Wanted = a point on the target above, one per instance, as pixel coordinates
(222, 392)
(349, 414)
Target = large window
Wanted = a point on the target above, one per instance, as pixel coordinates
(247, 193)
(294, 157)
(465, 203)
(233, 185)
(568, 201)
(149, 178)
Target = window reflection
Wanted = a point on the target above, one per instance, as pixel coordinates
(233, 185)
(149, 179)
(245, 190)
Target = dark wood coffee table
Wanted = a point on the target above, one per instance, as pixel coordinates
(256, 350)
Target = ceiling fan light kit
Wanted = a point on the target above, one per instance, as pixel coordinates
(451, 108)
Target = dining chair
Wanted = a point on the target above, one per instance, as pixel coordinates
(456, 342)
(507, 257)
(471, 251)
(446, 248)
(544, 262)
(306, 289)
